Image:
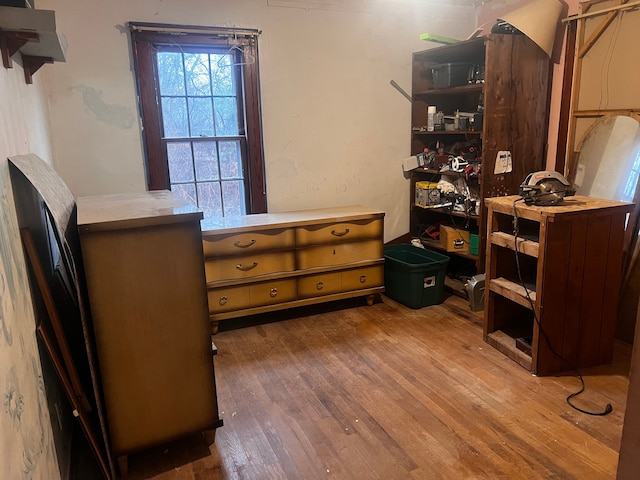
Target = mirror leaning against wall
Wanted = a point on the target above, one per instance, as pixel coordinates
(608, 162)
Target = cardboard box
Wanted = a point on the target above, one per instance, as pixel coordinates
(454, 239)
(427, 194)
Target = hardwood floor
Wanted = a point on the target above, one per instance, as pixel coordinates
(385, 392)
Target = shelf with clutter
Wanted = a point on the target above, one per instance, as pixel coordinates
(460, 134)
(33, 34)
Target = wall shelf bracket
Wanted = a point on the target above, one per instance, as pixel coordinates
(31, 66)
(11, 42)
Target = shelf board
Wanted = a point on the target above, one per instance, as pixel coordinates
(448, 132)
(436, 245)
(507, 345)
(513, 291)
(32, 33)
(447, 211)
(445, 172)
(528, 247)
(463, 89)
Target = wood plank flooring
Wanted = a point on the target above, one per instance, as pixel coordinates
(386, 392)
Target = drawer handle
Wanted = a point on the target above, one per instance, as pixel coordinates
(363, 279)
(223, 300)
(246, 268)
(319, 286)
(340, 234)
(246, 245)
(273, 292)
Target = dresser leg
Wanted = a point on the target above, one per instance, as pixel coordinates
(123, 466)
(214, 327)
(209, 436)
(370, 299)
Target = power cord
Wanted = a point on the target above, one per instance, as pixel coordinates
(608, 408)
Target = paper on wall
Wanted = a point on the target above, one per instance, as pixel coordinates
(503, 162)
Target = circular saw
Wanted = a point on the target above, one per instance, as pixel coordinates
(545, 188)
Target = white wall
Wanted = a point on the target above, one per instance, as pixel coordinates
(26, 439)
(335, 131)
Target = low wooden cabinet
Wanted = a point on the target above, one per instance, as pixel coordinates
(265, 262)
(567, 272)
(143, 262)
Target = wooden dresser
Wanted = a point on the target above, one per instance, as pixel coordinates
(265, 262)
(553, 306)
(144, 269)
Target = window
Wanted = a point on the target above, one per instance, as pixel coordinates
(199, 102)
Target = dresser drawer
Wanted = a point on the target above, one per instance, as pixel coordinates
(321, 284)
(268, 293)
(225, 268)
(324, 255)
(339, 232)
(247, 296)
(360, 278)
(247, 243)
(228, 299)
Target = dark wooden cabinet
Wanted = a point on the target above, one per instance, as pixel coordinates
(553, 306)
(512, 94)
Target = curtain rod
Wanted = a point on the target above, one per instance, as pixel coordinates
(624, 6)
(164, 27)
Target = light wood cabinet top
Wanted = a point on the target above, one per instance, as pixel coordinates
(263, 221)
(132, 210)
(576, 205)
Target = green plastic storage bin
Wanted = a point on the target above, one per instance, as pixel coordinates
(414, 276)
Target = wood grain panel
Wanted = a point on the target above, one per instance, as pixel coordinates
(317, 285)
(552, 315)
(575, 279)
(338, 232)
(247, 243)
(228, 299)
(147, 367)
(249, 266)
(593, 290)
(362, 278)
(323, 255)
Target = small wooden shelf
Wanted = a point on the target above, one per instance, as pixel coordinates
(513, 291)
(470, 88)
(528, 247)
(449, 132)
(32, 33)
(448, 211)
(506, 344)
(571, 261)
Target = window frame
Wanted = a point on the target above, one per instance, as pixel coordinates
(144, 39)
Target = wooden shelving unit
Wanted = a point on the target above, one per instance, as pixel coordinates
(514, 98)
(553, 307)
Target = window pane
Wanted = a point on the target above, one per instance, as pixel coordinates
(230, 160)
(201, 117)
(174, 117)
(180, 162)
(206, 160)
(226, 116)
(196, 66)
(233, 198)
(186, 192)
(210, 199)
(221, 74)
(170, 73)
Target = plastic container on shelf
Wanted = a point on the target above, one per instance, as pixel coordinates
(414, 276)
(447, 75)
